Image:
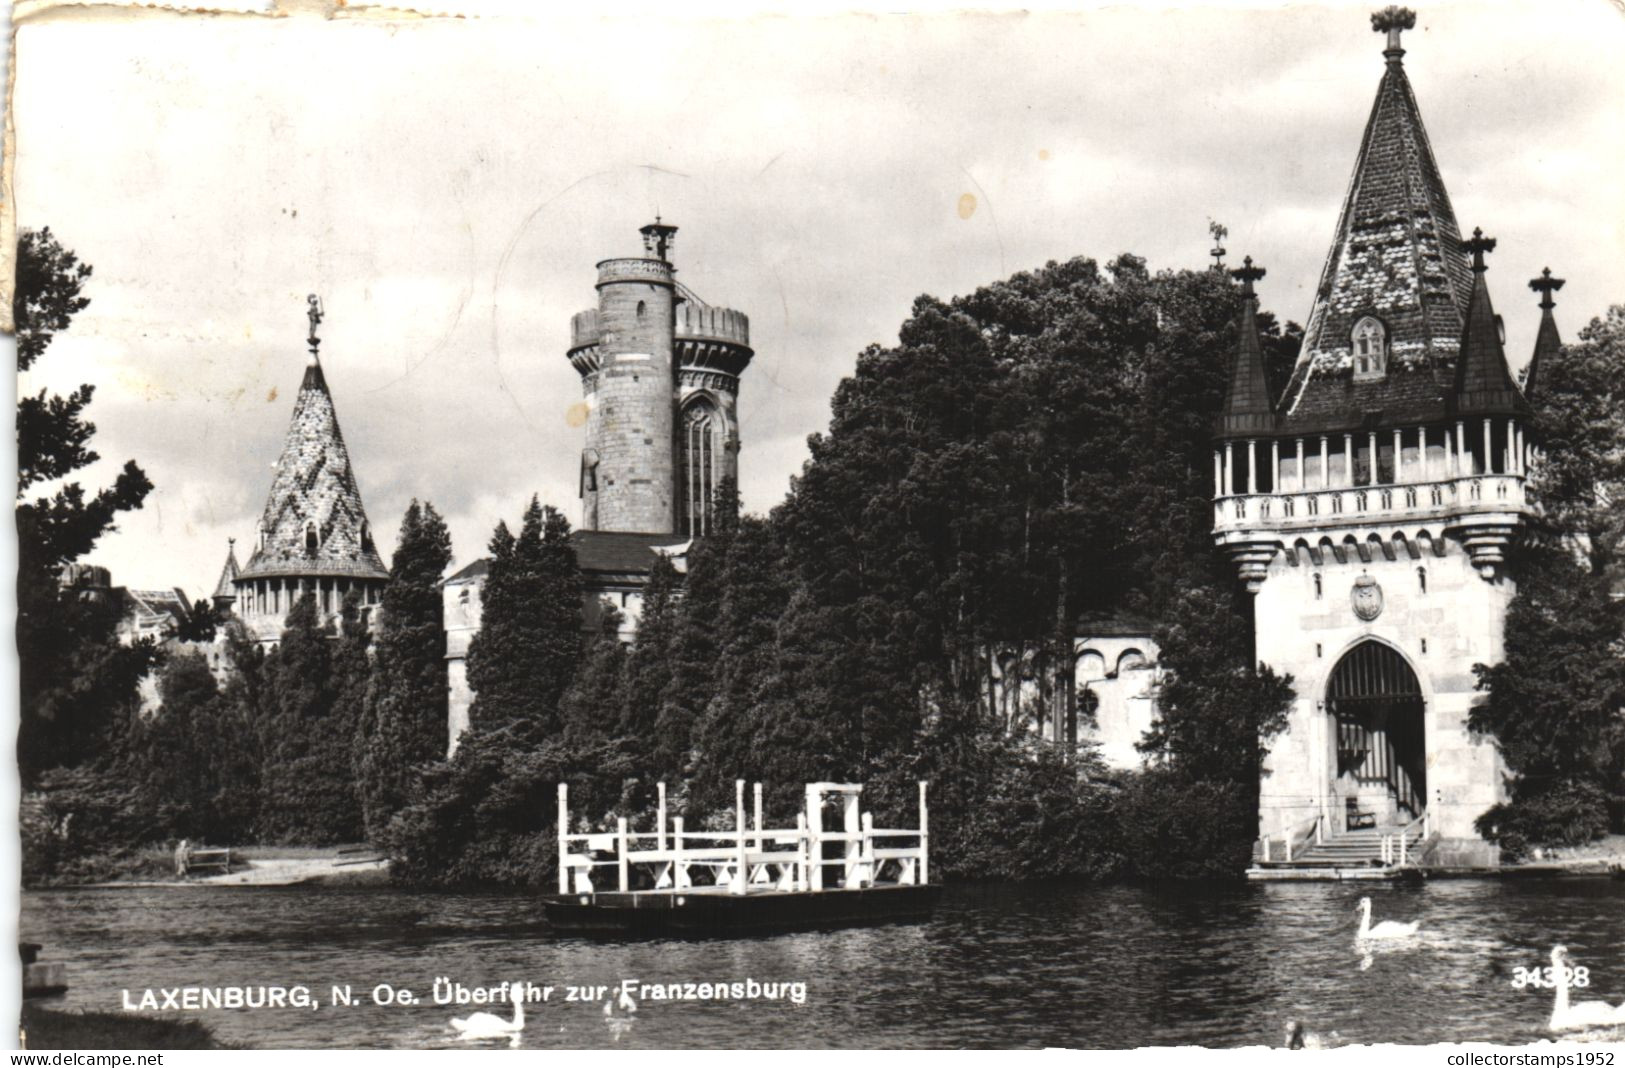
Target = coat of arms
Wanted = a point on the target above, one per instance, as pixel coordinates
(1367, 598)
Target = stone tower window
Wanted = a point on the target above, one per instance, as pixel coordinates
(1422, 579)
(1370, 341)
(643, 309)
(702, 431)
(1317, 587)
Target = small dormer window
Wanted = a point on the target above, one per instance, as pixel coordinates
(1370, 341)
(310, 539)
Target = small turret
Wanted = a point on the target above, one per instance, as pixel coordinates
(1247, 408)
(1546, 341)
(1484, 385)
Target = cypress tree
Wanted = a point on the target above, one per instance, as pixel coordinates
(529, 642)
(403, 723)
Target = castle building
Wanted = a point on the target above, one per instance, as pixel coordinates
(1367, 510)
(660, 373)
(313, 535)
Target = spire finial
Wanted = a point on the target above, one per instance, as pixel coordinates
(1393, 20)
(231, 543)
(1478, 245)
(1546, 285)
(1247, 274)
(1219, 232)
(314, 314)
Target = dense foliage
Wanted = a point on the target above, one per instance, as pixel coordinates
(403, 722)
(76, 679)
(1029, 455)
(1556, 703)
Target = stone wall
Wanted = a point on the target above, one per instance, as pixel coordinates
(1441, 632)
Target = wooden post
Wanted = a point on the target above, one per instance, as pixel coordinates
(801, 852)
(741, 872)
(564, 845)
(623, 864)
(868, 869)
(679, 870)
(815, 843)
(660, 817)
(852, 824)
(921, 873)
(758, 817)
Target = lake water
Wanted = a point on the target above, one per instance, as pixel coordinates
(1041, 965)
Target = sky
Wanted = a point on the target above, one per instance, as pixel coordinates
(447, 186)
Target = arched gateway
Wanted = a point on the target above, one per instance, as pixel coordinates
(1380, 765)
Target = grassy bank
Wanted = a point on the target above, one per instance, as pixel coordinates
(52, 1029)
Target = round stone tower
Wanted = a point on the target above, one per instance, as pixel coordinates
(660, 370)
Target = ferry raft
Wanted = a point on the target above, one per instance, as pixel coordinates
(752, 880)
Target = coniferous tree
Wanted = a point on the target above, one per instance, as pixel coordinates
(75, 677)
(307, 787)
(403, 724)
(529, 642)
(590, 710)
(649, 671)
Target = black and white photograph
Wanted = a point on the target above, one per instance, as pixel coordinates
(1094, 526)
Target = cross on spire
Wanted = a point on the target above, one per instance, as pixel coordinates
(1393, 20)
(1546, 285)
(1478, 244)
(1219, 232)
(1247, 274)
(314, 314)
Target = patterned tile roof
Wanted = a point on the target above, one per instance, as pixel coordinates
(314, 492)
(1396, 255)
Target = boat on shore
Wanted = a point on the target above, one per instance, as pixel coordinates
(751, 880)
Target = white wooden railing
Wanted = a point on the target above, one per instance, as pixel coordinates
(1396, 847)
(783, 859)
(1313, 827)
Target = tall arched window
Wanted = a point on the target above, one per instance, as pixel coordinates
(1370, 343)
(701, 464)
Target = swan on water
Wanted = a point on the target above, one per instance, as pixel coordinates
(1566, 1017)
(490, 1025)
(1385, 929)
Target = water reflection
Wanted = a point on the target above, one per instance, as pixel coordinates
(1031, 966)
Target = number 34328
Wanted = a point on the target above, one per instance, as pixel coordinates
(1547, 978)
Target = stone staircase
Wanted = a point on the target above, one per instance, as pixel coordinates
(1350, 849)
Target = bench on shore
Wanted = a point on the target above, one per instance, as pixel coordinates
(206, 860)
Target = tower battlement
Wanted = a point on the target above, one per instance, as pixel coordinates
(713, 324)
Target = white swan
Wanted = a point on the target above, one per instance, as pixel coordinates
(489, 1025)
(1566, 1017)
(1385, 929)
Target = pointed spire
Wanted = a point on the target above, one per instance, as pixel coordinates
(1546, 341)
(1483, 384)
(1395, 259)
(1247, 409)
(314, 523)
(225, 591)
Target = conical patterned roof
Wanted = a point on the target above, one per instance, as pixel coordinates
(314, 523)
(1396, 256)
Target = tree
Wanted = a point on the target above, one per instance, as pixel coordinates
(307, 784)
(529, 643)
(74, 675)
(1556, 703)
(404, 723)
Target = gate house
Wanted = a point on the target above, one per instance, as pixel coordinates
(1368, 508)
